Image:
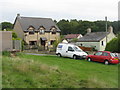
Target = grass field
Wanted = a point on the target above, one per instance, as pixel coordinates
(29, 71)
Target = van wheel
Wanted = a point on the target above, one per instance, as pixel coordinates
(74, 57)
(89, 59)
(59, 55)
(106, 62)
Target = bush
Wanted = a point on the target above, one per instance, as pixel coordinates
(14, 35)
(112, 45)
(6, 53)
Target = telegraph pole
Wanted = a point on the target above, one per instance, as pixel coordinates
(106, 29)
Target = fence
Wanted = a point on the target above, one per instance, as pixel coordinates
(17, 45)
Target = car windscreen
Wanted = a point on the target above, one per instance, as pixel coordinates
(77, 49)
(113, 55)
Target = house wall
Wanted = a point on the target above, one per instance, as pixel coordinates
(36, 37)
(102, 46)
(110, 36)
(18, 29)
(6, 41)
(89, 44)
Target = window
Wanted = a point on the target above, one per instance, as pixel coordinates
(113, 55)
(52, 42)
(60, 46)
(31, 32)
(42, 30)
(70, 49)
(53, 32)
(98, 53)
(105, 54)
(102, 43)
(53, 29)
(32, 42)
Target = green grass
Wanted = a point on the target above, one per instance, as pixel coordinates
(29, 71)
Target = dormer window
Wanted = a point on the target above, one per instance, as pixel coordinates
(31, 30)
(42, 30)
(53, 29)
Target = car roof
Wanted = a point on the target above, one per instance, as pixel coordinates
(105, 51)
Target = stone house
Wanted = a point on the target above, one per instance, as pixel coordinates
(98, 40)
(36, 31)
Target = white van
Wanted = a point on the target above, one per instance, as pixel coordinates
(70, 50)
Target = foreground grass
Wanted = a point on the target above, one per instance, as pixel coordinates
(29, 71)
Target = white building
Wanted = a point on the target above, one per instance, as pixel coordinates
(97, 40)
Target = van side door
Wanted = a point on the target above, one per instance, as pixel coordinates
(70, 52)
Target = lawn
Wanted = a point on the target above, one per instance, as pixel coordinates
(30, 71)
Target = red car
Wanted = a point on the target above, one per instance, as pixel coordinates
(104, 56)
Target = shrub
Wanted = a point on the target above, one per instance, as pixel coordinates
(6, 53)
(112, 45)
(14, 35)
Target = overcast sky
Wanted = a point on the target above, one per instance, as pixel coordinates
(91, 10)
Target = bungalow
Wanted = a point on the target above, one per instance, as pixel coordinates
(97, 40)
(36, 31)
(69, 37)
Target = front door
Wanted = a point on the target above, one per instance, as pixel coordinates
(43, 42)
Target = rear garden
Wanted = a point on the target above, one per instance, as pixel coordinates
(30, 71)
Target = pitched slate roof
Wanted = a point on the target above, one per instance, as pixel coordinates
(71, 36)
(47, 23)
(93, 37)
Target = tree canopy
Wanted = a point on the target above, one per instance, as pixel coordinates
(6, 25)
(78, 26)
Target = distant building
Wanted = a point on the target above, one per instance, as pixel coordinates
(36, 31)
(97, 40)
(69, 37)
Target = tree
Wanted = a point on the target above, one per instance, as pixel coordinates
(14, 35)
(6, 25)
(80, 27)
(114, 44)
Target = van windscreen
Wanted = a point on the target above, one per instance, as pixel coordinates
(77, 49)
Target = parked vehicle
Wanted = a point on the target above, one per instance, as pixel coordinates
(104, 56)
(70, 50)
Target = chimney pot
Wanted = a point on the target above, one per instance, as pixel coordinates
(89, 30)
(110, 29)
(18, 15)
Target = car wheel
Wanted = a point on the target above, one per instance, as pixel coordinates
(59, 55)
(89, 59)
(106, 62)
(74, 57)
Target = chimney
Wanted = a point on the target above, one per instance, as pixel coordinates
(18, 15)
(89, 30)
(110, 29)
